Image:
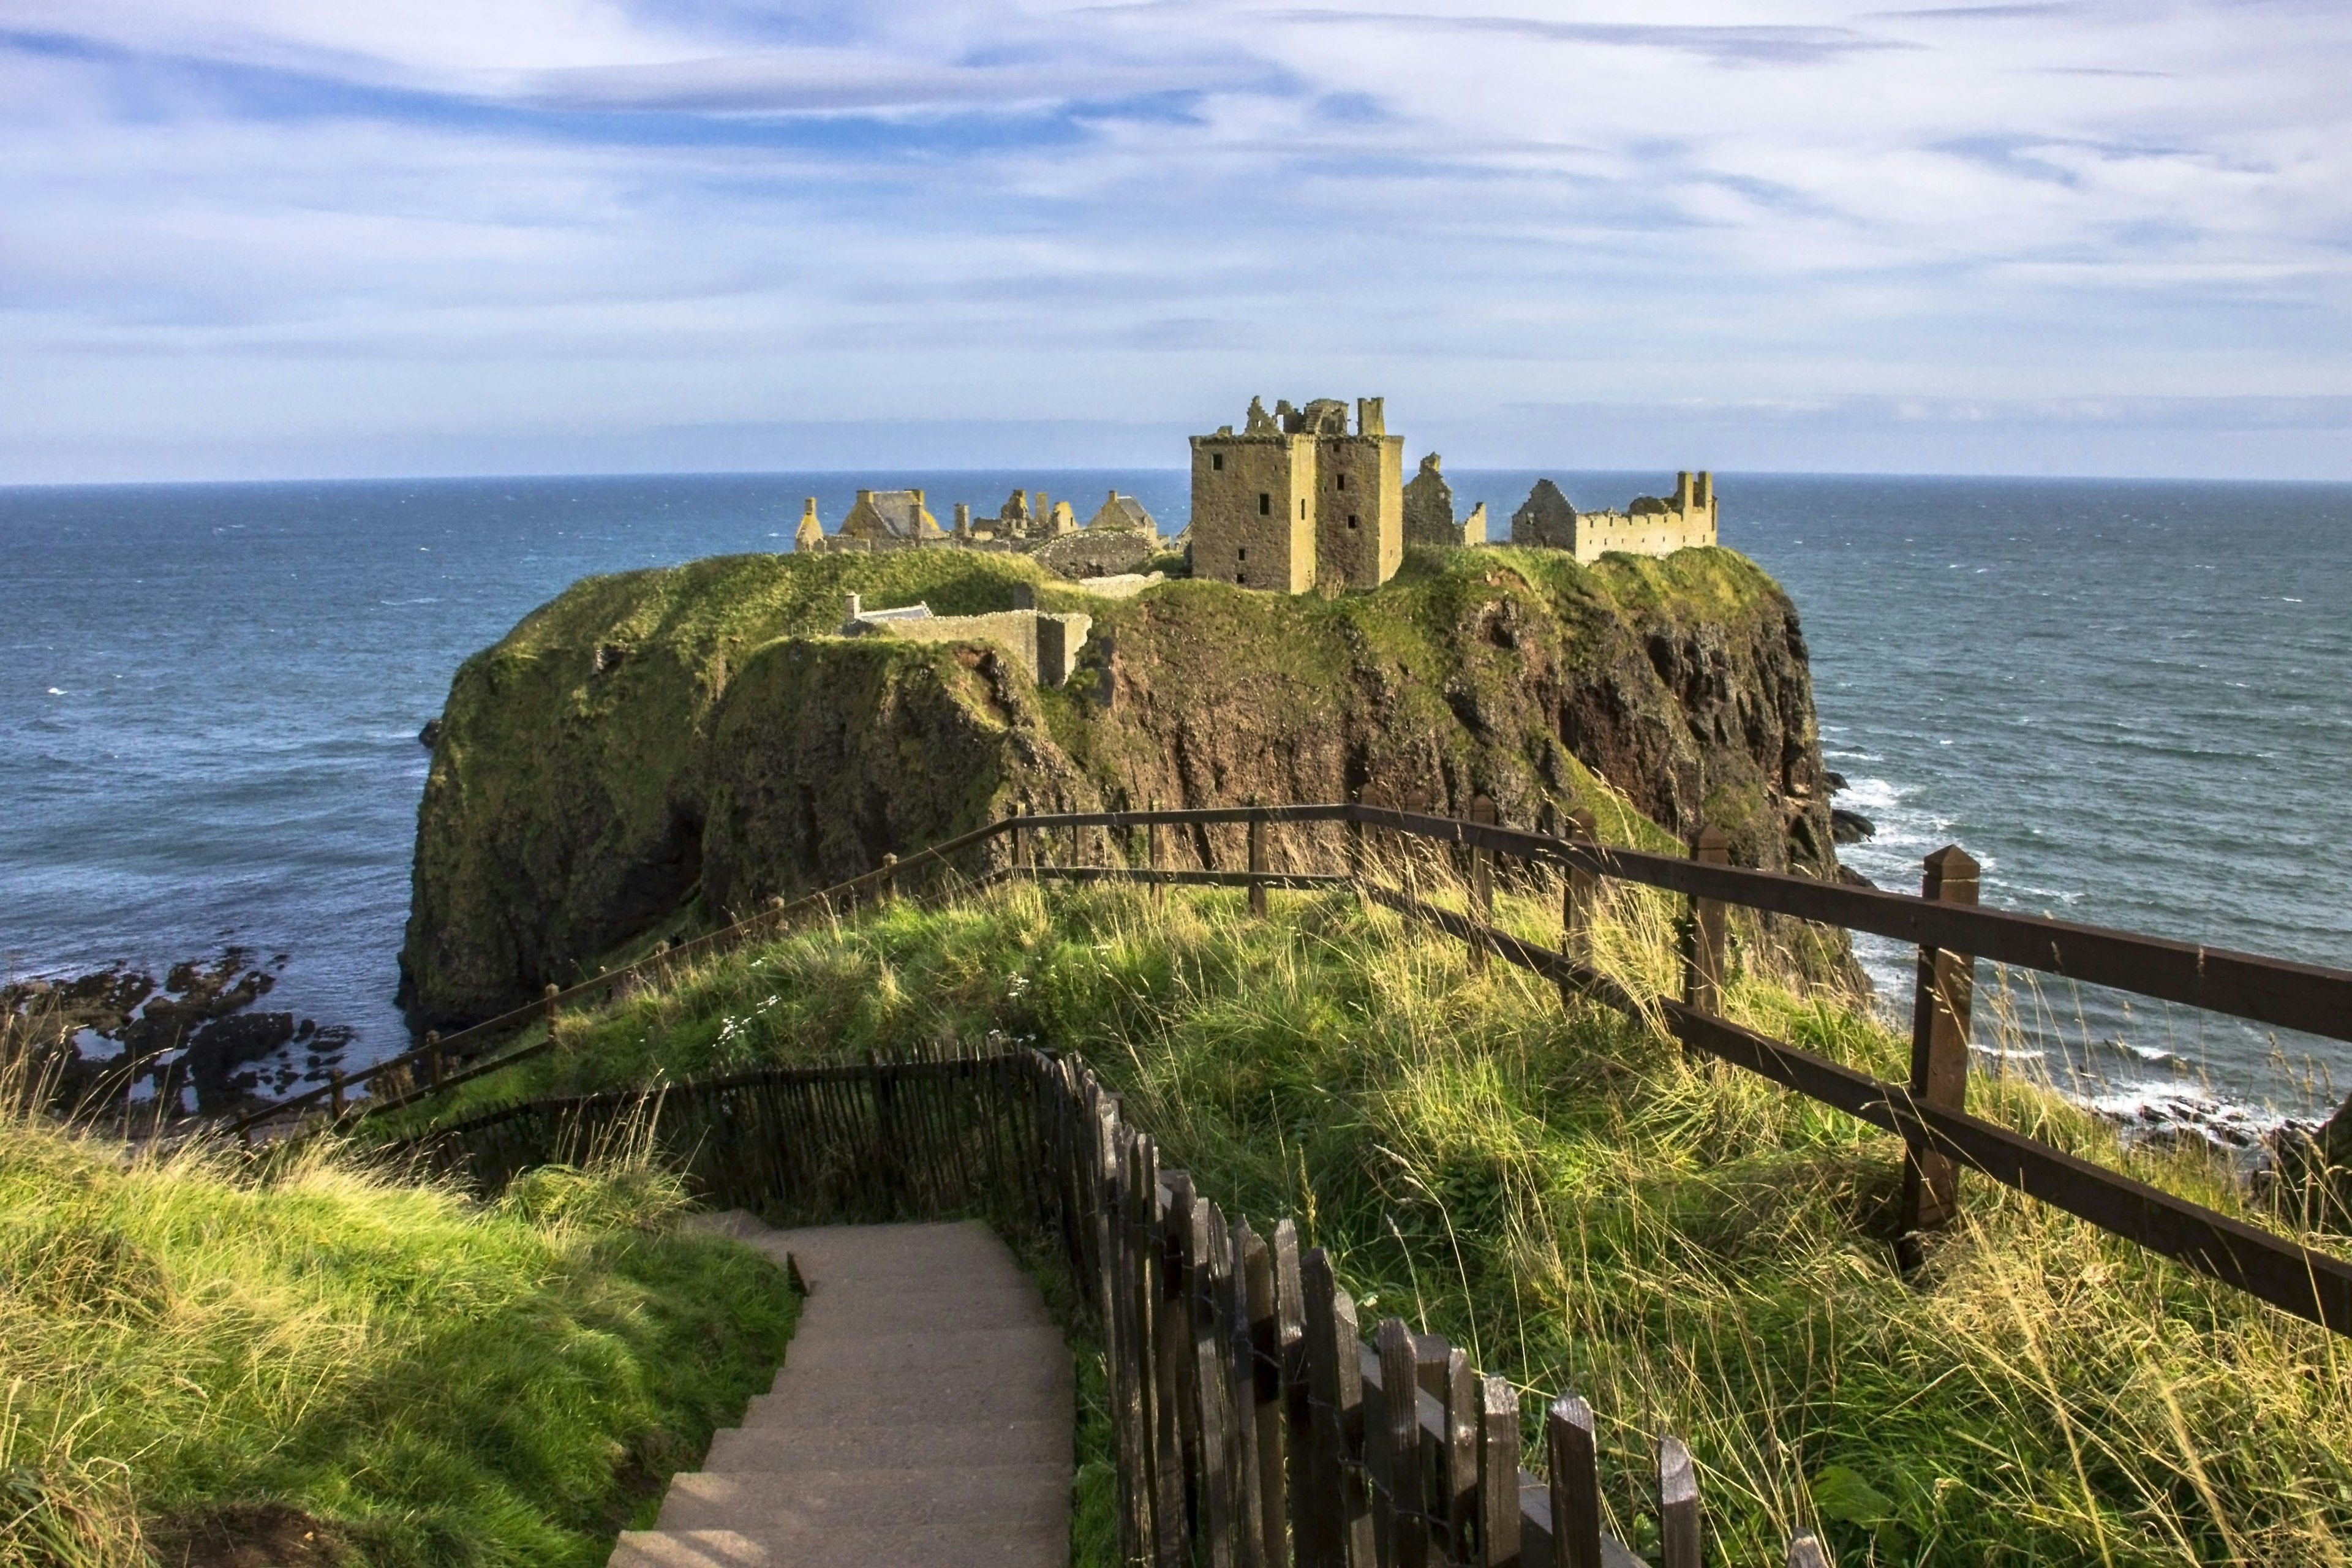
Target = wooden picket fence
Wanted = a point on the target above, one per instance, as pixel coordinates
(1254, 1425)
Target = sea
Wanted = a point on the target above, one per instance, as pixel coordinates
(2132, 701)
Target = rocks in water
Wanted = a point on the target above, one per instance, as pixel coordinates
(194, 1031)
(1853, 879)
(429, 736)
(1851, 826)
(1837, 781)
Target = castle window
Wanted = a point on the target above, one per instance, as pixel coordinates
(1217, 461)
(1242, 555)
(1352, 520)
(1342, 480)
(1265, 504)
(1302, 507)
(1241, 579)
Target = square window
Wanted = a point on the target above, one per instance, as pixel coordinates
(1265, 504)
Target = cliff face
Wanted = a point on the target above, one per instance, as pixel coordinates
(657, 737)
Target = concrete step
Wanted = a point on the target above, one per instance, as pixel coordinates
(978, 1445)
(1038, 1546)
(990, 1403)
(866, 1499)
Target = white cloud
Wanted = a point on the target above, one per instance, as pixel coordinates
(223, 226)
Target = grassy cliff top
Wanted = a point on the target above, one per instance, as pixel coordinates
(1563, 1192)
(334, 1366)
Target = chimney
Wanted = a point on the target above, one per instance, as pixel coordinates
(964, 520)
(808, 506)
(867, 496)
(1683, 491)
(919, 497)
(1705, 490)
(1371, 420)
(1113, 499)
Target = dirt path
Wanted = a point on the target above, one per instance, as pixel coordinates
(922, 1416)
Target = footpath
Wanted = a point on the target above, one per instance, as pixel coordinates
(922, 1416)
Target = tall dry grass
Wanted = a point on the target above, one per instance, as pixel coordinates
(1560, 1189)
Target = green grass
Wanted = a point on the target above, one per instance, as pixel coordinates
(1561, 1192)
(192, 1354)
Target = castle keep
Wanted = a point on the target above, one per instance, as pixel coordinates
(1293, 499)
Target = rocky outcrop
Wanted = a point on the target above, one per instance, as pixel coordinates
(1096, 553)
(669, 746)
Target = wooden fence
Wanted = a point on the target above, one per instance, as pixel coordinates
(1928, 1111)
(1252, 1425)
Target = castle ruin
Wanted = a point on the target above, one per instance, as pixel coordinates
(1294, 499)
(1650, 526)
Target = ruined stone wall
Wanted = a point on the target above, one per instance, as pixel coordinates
(1046, 644)
(1252, 521)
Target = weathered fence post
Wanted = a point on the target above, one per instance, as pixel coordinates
(889, 875)
(1580, 892)
(1498, 1476)
(1401, 1503)
(1805, 1551)
(335, 1086)
(432, 1055)
(1482, 879)
(1335, 1522)
(1267, 1397)
(1939, 1045)
(1020, 835)
(547, 998)
(1257, 861)
(1152, 854)
(1575, 1483)
(1703, 954)
(1679, 1544)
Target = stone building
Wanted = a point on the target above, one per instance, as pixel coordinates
(1649, 526)
(1294, 498)
(1122, 512)
(890, 516)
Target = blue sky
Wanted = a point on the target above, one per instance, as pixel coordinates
(244, 239)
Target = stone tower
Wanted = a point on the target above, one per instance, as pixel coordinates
(1295, 496)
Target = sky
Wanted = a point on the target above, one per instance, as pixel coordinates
(294, 238)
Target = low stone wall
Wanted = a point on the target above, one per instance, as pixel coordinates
(1046, 643)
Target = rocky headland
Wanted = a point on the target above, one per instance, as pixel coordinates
(666, 747)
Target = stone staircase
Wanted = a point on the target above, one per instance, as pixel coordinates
(923, 1417)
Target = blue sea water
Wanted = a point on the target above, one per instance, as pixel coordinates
(2132, 701)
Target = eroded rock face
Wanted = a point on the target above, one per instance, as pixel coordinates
(732, 750)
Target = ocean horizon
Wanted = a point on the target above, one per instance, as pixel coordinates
(2131, 699)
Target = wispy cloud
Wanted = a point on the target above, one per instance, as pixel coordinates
(249, 226)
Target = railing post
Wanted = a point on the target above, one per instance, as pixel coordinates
(1578, 893)
(547, 998)
(1939, 1045)
(335, 1086)
(1256, 862)
(432, 1055)
(1703, 953)
(889, 875)
(1151, 853)
(1482, 879)
(1020, 835)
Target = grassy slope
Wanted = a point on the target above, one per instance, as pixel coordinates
(1692, 1250)
(411, 1377)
